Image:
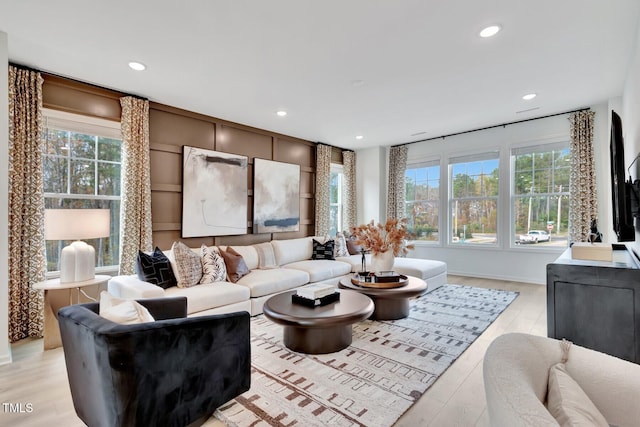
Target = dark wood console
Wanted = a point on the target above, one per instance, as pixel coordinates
(596, 304)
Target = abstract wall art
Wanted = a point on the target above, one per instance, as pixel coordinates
(214, 193)
(276, 196)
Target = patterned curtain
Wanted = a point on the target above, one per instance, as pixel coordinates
(583, 205)
(396, 190)
(135, 205)
(27, 260)
(323, 178)
(349, 197)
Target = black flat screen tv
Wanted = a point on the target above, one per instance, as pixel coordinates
(620, 190)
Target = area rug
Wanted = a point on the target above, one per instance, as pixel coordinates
(385, 370)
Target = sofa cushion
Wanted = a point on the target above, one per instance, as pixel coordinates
(322, 250)
(568, 403)
(321, 269)
(213, 266)
(341, 246)
(188, 265)
(236, 267)
(123, 311)
(265, 282)
(292, 250)
(416, 267)
(155, 268)
(210, 295)
(249, 255)
(266, 256)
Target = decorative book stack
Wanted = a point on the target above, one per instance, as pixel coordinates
(316, 295)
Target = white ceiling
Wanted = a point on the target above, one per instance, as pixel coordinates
(423, 65)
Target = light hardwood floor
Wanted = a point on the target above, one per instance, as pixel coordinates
(456, 399)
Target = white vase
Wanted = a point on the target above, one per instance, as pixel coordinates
(382, 261)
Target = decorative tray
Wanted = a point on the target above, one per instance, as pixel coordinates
(402, 281)
(318, 302)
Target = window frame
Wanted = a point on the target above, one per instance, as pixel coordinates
(430, 162)
(70, 122)
(337, 168)
(490, 153)
(532, 147)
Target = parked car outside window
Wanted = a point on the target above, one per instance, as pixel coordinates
(534, 236)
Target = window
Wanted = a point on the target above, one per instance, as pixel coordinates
(473, 201)
(81, 168)
(335, 188)
(422, 181)
(540, 196)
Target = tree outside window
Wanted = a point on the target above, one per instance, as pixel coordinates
(336, 185)
(422, 181)
(473, 201)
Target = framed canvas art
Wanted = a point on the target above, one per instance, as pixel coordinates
(214, 193)
(276, 196)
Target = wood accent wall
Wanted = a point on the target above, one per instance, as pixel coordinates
(169, 129)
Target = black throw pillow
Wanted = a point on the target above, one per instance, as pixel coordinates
(155, 269)
(323, 251)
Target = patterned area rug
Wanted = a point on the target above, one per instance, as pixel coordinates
(389, 365)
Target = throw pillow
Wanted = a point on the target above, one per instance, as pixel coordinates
(123, 311)
(188, 265)
(236, 267)
(352, 247)
(266, 256)
(323, 250)
(341, 246)
(155, 268)
(568, 403)
(213, 268)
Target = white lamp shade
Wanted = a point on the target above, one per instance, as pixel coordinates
(76, 224)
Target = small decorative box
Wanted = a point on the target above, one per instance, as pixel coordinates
(317, 302)
(388, 276)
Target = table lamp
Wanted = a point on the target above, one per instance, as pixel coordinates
(77, 260)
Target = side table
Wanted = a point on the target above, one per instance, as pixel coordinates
(57, 295)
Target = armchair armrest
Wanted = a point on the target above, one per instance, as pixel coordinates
(133, 288)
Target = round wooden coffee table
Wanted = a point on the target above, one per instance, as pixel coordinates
(318, 330)
(391, 303)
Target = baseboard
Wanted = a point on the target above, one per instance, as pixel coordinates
(497, 277)
(5, 359)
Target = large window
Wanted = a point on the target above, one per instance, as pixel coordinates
(540, 195)
(473, 201)
(422, 181)
(81, 168)
(336, 190)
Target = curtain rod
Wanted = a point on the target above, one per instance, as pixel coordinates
(493, 126)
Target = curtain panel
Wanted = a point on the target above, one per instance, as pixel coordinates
(349, 217)
(27, 261)
(396, 187)
(323, 184)
(135, 204)
(583, 205)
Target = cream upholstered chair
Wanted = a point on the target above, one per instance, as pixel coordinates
(516, 372)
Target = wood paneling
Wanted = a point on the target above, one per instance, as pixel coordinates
(169, 129)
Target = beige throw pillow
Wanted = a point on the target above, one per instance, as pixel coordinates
(188, 266)
(123, 311)
(568, 403)
(266, 256)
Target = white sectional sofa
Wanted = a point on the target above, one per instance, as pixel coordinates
(294, 268)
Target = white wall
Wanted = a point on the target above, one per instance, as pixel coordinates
(503, 262)
(631, 118)
(371, 184)
(5, 349)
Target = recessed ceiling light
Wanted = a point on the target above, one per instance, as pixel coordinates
(357, 83)
(359, 137)
(529, 96)
(138, 66)
(490, 31)
(281, 113)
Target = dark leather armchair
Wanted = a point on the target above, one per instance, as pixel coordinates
(170, 372)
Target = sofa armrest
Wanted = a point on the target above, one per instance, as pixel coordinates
(131, 287)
